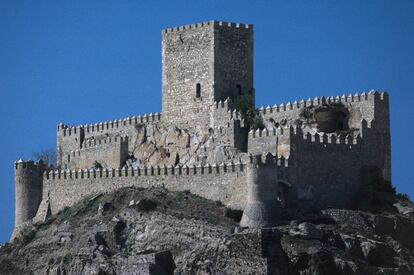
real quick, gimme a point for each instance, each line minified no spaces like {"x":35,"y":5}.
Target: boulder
{"x":307,"y":231}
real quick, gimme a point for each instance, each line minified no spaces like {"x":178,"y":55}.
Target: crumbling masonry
{"x":210,"y":139}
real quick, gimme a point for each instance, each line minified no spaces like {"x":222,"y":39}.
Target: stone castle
{"x":211,"y":140}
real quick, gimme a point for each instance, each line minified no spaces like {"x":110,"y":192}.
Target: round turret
{"x":262,"y":208}
{"x":28,"y":177}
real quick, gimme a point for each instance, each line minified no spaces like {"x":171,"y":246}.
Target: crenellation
{"x":106,"y":125}
{"x":358,"y":97}
{"x":179,"y":170}
{"x":204,"y":24}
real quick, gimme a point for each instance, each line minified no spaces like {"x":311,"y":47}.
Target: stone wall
{"x":71,"y":138}
{"x":68,"y":139}
{"x":225,"y":183}
{"x":226,"y":118}
{"x":327,"y":167}
{"x":111,"y":152}
{"x":323,"y":168}
{"x":326,"y":171}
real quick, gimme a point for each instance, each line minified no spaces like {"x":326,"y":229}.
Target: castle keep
{"x":211,"y":140}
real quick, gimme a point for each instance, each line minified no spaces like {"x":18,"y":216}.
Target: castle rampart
{"x":222,"y":182}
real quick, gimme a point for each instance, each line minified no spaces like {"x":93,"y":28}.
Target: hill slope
{"x":154,"y":231}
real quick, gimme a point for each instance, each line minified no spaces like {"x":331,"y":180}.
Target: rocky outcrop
{"x":155,"y":231}
{"x":155,"y":144}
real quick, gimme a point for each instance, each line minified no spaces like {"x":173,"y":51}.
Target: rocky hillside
{"x":155,"y":231}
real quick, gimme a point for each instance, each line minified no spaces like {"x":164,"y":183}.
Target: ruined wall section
{"x":224,"y":182}
{"x":366,"y":106}
{"x":111,"y":152}
{"x":370,"y":108}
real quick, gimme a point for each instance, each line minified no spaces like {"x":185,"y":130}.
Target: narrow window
{"x":198,"y":90}
{"x":239,"y":90}
{"x":68,"y":158}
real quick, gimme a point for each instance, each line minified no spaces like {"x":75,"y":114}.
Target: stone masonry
{"x":211,"y":140}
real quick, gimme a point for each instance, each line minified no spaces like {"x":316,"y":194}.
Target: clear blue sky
{"x":89,"y":61}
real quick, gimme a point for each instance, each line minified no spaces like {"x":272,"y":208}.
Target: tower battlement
{"x":207,"y":23}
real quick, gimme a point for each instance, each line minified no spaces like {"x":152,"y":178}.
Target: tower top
{"x":208,"y":23}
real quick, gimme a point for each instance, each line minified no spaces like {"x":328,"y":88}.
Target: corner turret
{"x":28,"y":178}
{"x":263,"y":207}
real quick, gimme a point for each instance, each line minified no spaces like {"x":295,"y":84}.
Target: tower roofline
{"x":207,"y":23}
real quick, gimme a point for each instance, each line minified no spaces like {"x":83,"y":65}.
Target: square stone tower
{"x":201,"y":64}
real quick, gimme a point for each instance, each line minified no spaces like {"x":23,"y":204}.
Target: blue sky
{"x":89,"y":61}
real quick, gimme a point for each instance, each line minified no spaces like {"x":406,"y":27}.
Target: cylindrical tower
{"x":262,"y":208}
{"x":28,"y":178}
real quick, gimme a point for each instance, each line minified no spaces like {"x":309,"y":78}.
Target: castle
{"x":211,"y":140}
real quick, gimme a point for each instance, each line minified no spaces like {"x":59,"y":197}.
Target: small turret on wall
{"x":28,"y":178}
{"x":263,"y":206}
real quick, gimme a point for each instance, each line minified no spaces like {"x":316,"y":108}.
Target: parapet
{"x":145,"y":171}
{"x":370,"y":96}
{"x":224,"y":111}
{"x":267,"y":160}
{"x":113,"y":124}
{"x":276,"y":131}
{"x":208,"y":23}
{"x":106,"y":141}
{"x":311,"y":137}
{"x":29,"y":165}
